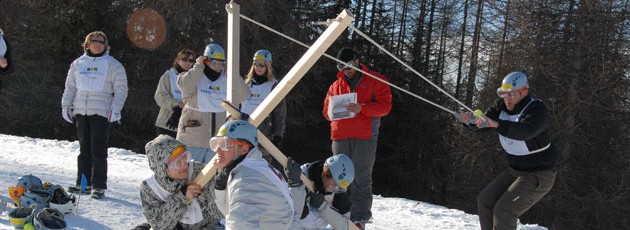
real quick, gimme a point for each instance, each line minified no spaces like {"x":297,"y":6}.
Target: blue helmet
{"x":214,"y":51}
{"x":342,"y":169}
{"x":262,"y":55}
{"x":239,"y":129}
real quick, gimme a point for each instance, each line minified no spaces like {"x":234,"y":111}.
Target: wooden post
{"x":233,"y":47}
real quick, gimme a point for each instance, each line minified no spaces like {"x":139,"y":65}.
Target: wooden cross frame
{"x":283,"y":88}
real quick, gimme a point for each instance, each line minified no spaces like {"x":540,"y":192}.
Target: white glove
{"x":67,"y":115}
{"x":114,"y":116}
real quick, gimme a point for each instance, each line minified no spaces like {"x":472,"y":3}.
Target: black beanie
{"x":347,"y":54}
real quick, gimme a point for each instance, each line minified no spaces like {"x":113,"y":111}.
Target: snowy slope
{"x":55,"y":161}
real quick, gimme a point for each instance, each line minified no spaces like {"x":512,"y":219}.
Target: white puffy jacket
{"x":98,"y":99}
{"x":257,"y":198}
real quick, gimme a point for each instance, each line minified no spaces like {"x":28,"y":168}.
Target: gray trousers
{"x":510,"y":195}
{"x":363,"y":153}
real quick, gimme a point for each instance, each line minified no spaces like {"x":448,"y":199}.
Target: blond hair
{"x":252,"y":71}
{"x":89,"y":37}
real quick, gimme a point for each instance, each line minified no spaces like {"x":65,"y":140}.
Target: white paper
{"x":338,"y":106}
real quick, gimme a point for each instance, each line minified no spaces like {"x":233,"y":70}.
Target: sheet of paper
{"x":337,"y":106}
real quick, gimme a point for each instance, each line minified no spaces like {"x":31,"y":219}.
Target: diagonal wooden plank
{"x":305,"y":63}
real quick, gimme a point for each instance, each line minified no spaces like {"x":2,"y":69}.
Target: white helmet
{"x":30,"y":182}
{"x":35,"y":199}
{"x":19,"y":216}
{"x":342,"y":170}
{"x":49,"y":218}
{"x":61,"y":200}
{"x":214,"y":51}
{"x":513,"y":81}
{"x":262,"y":55}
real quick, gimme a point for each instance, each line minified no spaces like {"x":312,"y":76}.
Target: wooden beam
{"x":233,"y":47}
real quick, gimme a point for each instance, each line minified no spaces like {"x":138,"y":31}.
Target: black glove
{"x":293,"y":172}
{"x":277,"y":140}
{"x":173,"y":121}
{"x":316,"y":200}
{"x":220,"y":180}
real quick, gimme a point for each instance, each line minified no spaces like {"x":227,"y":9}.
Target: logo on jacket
{"x":92,"y":69}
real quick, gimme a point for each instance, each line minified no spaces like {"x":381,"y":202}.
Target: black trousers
{"x":93,"y":133}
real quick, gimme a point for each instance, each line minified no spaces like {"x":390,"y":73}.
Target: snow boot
{"x":98,"y":193}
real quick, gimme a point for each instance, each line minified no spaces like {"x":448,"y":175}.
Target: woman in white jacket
{"x":95,"y":92}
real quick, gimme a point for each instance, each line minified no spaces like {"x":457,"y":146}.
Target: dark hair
{"x":347,"y":54}
{"x":183,"y":54}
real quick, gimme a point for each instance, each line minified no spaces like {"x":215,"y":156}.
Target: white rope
{"x":360,"y":70}
{"x":409,"y":67}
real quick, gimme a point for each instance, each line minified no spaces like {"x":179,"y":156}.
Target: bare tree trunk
{"x":427,"y":52}
{"x":460,"y":55}
{"x":472,"y":73}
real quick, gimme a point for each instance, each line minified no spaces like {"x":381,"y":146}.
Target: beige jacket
{"x":164,"y":98}
{"x":207,"y":123}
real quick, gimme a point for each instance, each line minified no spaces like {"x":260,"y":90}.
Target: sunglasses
{"x":225,"y":143}
{"x":179,"y":158}
{"x":345,"y":66}
{"x":260,"y":65}
{"x":187,"y":60}
{"x":215,"y":62}
{"x":96,"y":41}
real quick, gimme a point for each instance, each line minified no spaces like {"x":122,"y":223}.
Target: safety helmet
{"x":35,"y":199}
{"x":61,"y":200}
{"x":214,"y":51}
{"x":30,"y":182}
{"x":15,"y":192}
{"x":262,"y":55}
{"x":239,"y":129}
{"x":49,"y":218}
{"x":19,"y":216}
{"x":342,"y":170}
{"x":513,"y":81}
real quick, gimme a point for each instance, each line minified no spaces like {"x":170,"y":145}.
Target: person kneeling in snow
{"x":170,"y":200}
{"x":331,"y":179}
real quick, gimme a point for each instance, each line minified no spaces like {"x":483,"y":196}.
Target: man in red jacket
{"x":356,"y":136}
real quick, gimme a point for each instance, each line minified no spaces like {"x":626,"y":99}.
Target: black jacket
{"x":532,"y":128}
{"x":341,"y":201}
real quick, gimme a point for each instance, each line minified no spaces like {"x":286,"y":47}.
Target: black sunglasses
{"x":96,"y":41}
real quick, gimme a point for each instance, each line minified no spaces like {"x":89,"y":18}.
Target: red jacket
{"x":375,"y":99}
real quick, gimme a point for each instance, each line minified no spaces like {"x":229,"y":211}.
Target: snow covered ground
{"x":55,"y":161}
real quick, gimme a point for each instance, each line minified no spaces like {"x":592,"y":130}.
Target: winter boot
{"x":98,"y":193}
{"x":77,"y":189}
